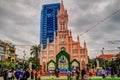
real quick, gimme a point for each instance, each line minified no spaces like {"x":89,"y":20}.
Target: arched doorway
{"x":51,"y":66}
{"x":75,"y":64}
{"x":63,"y":61}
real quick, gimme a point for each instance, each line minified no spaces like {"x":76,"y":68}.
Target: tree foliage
{"x":35,"y":62}
{"x":108,"y":63}
{"x":35,"y":50}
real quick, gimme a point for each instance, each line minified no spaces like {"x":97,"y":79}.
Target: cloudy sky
{"x":20,"y":23}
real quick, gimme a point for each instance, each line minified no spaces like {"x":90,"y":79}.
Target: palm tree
{"x":35,"y":49}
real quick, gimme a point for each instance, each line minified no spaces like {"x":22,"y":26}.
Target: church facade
{"x":63,"y":53}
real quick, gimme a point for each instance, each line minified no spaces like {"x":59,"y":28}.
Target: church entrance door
{"x":63,"y":61}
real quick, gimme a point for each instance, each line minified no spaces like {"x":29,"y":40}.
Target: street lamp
{"x":24,"y":58}
{"x":103,"y":56}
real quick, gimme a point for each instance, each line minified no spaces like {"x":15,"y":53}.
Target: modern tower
{"x":48,"y":23}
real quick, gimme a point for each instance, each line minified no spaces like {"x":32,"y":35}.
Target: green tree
{"x":92,"y":62}
{"x":2,"y":63}
{"x":101,"y":62}
{"x":11,"y":65}
{"x":35,"y":50}
{"x":34,"y":61}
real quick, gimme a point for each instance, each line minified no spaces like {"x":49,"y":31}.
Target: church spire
{"x":62,"y":7}
{"x":85,"y":44}
{"x":78,"y":38}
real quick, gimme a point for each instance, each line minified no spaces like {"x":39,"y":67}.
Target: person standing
{"x":27,"y":73}
{"x":78,"y":74}
{"x":32,"y":75}
{"x":56,"y":71}
{"x":5,"y":74}
{"x":112,"y":72}
{"x":23,"y":76}
{"x":17,"y":74}
{"x":10,"y":75}
{"x":103,"y":73}
{"x":35,"y":73}
{"x":83,"y":72}
{"x":69,"y":75}
{"x":39,"y":73}
{"x":118,"y":71}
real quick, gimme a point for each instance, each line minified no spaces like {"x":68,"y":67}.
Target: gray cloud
{"x":20,"y":21}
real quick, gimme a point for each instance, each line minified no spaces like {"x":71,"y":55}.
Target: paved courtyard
{"x":1,"y":78}
{"x":65,"y":78}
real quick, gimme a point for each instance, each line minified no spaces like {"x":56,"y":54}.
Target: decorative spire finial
{"x":61,"y":6}
{"x":78,"y":38}
{"x":84,"y":44}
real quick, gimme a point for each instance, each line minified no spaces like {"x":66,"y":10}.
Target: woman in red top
{"x":90,"y":73}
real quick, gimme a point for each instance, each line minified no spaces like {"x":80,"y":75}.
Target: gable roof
{"x":106,"y":56}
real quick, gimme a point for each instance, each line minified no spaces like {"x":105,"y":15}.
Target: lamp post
{"x":24,"y":58}
{"x":14,"y":61}
{"x":103,"y":56}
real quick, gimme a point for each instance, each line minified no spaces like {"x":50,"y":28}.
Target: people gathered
{"x":84,"y":74}
{"x":25,"y":74}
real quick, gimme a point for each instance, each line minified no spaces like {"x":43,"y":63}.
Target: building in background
{"x":7,"y":51}
{"x":109,"y":57}
{"x":63,"y":53}
{"x":48,"y":22}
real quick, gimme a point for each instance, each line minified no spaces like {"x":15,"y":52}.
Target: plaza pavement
{"x":59,"y":78}
{"x":65,"y":78}
{"x":1,"y":78}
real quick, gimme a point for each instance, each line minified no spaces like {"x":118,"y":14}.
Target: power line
{"x":24,"y":44}
{"x":106,"y":50}
{"x":115,"y":42}
{"x":104,"y":19}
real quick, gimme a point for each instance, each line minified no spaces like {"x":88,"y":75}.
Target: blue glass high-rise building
{"x":48,"y":22}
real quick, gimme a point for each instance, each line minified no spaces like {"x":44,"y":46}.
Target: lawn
{"x":79,"y":79}
{"x":87,"y":79}
{"x":64,"y":78}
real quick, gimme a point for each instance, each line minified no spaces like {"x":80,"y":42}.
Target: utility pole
{"x":24,"y":58}
{"x":103,"y":56}
{"x":15,"y":61}
{"x":119,"y":49}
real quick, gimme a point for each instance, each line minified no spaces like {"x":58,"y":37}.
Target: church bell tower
{"x":62,"y":17}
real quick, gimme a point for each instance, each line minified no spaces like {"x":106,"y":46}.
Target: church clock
{"x":62,"y":40}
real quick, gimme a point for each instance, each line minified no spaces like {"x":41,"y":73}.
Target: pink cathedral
{"x":63,"y":53}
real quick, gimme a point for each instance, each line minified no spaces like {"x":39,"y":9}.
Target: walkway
{"x":1,"y":78}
